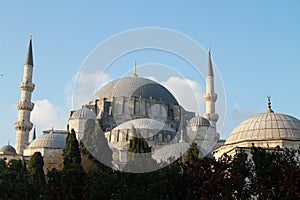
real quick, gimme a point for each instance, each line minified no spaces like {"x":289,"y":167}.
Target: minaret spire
{"x":134,"y":71}
{"x":210,"y":96}
{"x":210,"y":71}
{"x":33,"y":135}
{"x":25,"y":106}
{"x":29,"y":59}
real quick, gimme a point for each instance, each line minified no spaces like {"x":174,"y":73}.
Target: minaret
{"x":210,"y":96}
{"x":25,"y":106}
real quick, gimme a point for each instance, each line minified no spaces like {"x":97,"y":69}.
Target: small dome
{"x":8,"y":149}
{"x":84,"y":113}
{"x":51,"y":140}
{"x":198,"y":121}
{"x":144,"y":123}
{"x":135,"y":87}
{"x":266,"y":126}
{"x":171,"y":151}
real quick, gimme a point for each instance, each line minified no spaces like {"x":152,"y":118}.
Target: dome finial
{"x":134,"y":71}
{"x":269,"y":110}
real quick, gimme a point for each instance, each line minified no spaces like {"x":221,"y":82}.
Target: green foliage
{"x":191,"y":154}
{"x":269,"y":174}
{"x":14,"y":183}
{"x":36,"y":175}
{"x":54,"y":186}
{"x":72,"y":177}
{"x":71,"y":156}
{"x":275,"y":174}
{"x":139,"y":157}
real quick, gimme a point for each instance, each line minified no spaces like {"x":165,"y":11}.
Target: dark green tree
{"x":72,"y":178}
{"x":139,"y":157}
{"x":36,"y":175}
{"x":54,"y":187}
{"x":191,"y":154}
{"x":14,"y":182}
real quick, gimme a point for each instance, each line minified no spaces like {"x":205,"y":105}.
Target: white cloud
{"x":83,"y":86}
{"x":188,"y":93}
{"x":45,"y":115}
{"x":240,"y":113}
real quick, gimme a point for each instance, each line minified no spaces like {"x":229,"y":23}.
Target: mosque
{"x":152,"y":110}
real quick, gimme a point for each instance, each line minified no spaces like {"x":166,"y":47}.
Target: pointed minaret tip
{"x":34,"y":134}
{"x":209,"y":65}
{"x":134,"y":71}
{"x":29,"y":58}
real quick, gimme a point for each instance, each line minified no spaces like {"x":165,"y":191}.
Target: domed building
{"x":267,"y":130}
{"x":147,"y":106}
{"x":8,"y":152}
{"x":77,"y":120}
{"x":120,"y":106}
{"x":171,"y":152}
{"x":51,"y":145}
{"x":200,"y":131}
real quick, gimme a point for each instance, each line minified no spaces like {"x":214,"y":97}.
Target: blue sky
{"x":255,"y":45}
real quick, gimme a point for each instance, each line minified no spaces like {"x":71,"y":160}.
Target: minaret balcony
{"x":23,"y":125}
{"x":27,"y":86}
{"x":210,"y":97}
{"x":25,"y":105}
{"x":212,"y":116}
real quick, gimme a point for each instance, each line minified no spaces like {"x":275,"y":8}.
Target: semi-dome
{"x":135,"y":87}
{"x":266,"y":126}
{"x":144,"y":123}
{"x":84,"y":113}
{"x":50,"y":140}
{"x":171,"y":151}
{"x":8,"y":149}
{"x":198,"y":121}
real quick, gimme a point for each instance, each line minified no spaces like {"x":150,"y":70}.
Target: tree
{"x":139,"y":157}
{"x":13,"y":180}
{"x":191,"y":154}
{"x":72,"y":171}
{"x":36,"y":175}
{"x":54,"y":186}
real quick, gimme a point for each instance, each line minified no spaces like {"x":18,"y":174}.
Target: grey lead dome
{"x":266,"y":126}
{"x":144,"y":123}
{"x":49,"y":140}
{"x":198,"y":121}
{"x":84,"y":113}
{"x":135,"y":87}
{"x":8,"y":149}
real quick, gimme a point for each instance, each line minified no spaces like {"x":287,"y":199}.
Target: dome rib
{"x":266,"y":126}
{"x":49,"y":140}
{"x":8,"y":149}
{"x":135,"y":87}
{"x":144,"y":123}
{"x":84,"y":113}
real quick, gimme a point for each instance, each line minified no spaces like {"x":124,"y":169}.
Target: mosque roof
{"x":171,"y":151}
{"x":50,"y":140}
{"x":135,"y":87}
{"x":84,"y":113}
{"x":198,"y":121}
{"x":266,"y":126}
{"x":144,"y":123}
{"x":8,"y":149}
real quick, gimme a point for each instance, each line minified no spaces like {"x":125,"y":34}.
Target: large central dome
{"x":135,"y":87}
